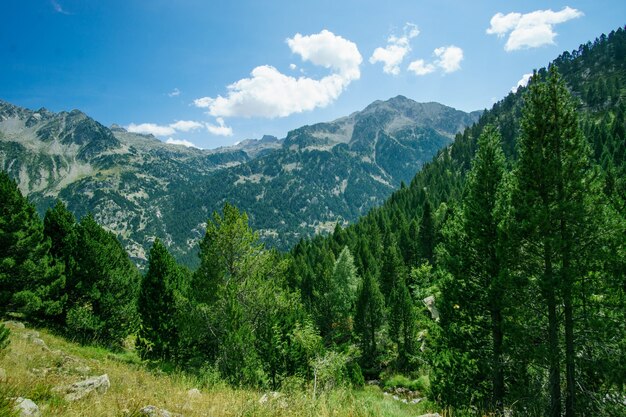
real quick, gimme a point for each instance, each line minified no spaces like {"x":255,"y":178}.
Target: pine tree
{"x":484,"y":265}
{"x":30,"y":281}
{"x":157,"y":304}
{"x":368,"y":320}
{"x":341,"y":296}
{"x":106,"y":287}
{"x":392,"y":269}
{"x":552,"y":184}
{"x":402,"y":323}
{"x":426,"y":234}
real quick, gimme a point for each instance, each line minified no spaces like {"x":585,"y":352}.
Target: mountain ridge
{"x":141,"y":188}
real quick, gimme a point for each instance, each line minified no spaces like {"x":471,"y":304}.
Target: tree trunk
{"x":498,"y":374}
{"x":553,"y":335}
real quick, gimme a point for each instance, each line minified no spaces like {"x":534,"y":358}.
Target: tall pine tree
{"x":158,"y":304}
{"x":550,"y":203}
{"x":30,"y":281}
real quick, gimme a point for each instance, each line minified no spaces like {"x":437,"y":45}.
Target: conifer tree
{"x":402,"y":323}
{"x":552,"y":185}
{"x":368,"y":320}
{"x":158,"y":304}
{"x":392,"y":269}
{"x":426,"y":234}
{"x":106,"y":287}
{"x":30,"y":281}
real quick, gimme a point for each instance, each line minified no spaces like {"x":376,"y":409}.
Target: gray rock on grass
{"x":78,"y":390}
{"x":26,"y":408}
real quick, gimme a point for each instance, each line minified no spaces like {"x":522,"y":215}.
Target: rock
{"x":430,"y":305}
{"x":14,"y":324}
{"x":3,"y":375}
{"x":41,"y":343}
{"x":416,"y":400}
{"x":152,"y":411}
{"x":26,"y":408}
{"x":194,"y":392}
{"x":31,"y":334}
{"x":99,"y":384}
{"x":431,"y":415}
{"x":83,"y":370}
{"x":271,"y":396}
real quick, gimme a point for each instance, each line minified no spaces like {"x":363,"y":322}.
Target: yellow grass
{"x":33,"y":371}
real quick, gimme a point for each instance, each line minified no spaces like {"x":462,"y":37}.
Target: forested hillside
{"x":541,"y":208}
{"x":139,"y":187}
{"x":494,"y":284}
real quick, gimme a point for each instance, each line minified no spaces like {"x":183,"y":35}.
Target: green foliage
{"x":105,"y":286}
{"x":30,"y":281}
{"x":4,"y":337}
{"x":420,"y":384}
{"x":340,"y":297}
{"x":471,"y":339}
{"x":241,"y":315}
{"x":368,"y":321}
{"x":159,"y":294}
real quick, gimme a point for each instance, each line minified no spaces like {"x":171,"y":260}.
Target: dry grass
{"x":33,"y":371}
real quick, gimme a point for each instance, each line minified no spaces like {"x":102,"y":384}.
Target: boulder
{"x":193,"y":393}
{"x":431,"y":415}
{"x":430,"y":305}
{"x":76,"y":391}
{"x":26,"y":408}
{"x":152,"y":411}
{"x":14,"y":324}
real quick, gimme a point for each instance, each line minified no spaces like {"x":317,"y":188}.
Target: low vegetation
{"x":33,"y":372}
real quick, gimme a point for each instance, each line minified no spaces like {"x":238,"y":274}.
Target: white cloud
{"x":186,"y":125}
{"x":151,"y":129}
{"x":174,"y":93}
{"x":292,"y":67}
{"x":450,"y":58}
{"x":530,"y":30}
{"x":523,"y":82}
{"x":269,"y":93}
{"x":161,"y":130}
{"x":396,"y":50}
{"x":419,"y":67}
{"x":182,"y":142}
{"x":221,"y":129}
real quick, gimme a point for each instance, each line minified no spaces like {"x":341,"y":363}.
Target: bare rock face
{"x":152,"y":411}
{"x":76,"y":391}
{"x":430,"y":305}
{"x":26,"y":408}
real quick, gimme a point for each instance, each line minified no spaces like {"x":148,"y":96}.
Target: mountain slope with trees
{"x":516,"y":230}
{"x":139,"y":187}
{"x":494,"y":284}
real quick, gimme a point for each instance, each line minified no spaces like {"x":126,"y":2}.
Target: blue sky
{"x":216,"y":72}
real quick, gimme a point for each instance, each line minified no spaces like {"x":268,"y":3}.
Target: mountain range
{"x":141,"y":188}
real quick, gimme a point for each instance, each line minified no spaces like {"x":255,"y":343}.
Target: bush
{"x":421,"y":384}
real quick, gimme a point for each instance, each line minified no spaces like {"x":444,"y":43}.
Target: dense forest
{"x":494,"y":283}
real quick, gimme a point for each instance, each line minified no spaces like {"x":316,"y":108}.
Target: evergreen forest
{"x":494,"y":283}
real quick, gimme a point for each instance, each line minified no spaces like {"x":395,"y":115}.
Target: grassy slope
{"x":33,"y":371}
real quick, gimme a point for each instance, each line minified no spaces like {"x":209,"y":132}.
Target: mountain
{"x":142,"y":188}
